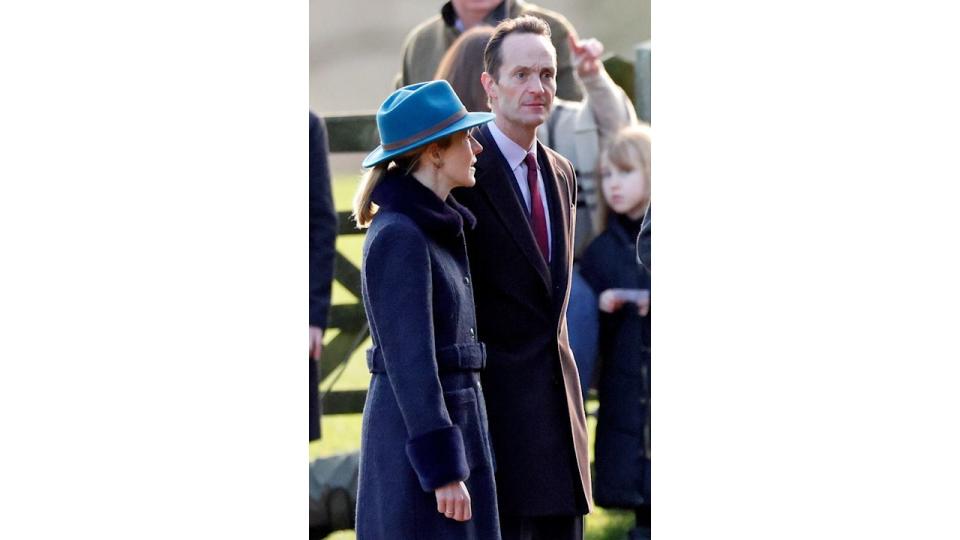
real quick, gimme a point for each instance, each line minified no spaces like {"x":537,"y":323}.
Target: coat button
{"x":466,"y":279}
{"x":473,"y":333}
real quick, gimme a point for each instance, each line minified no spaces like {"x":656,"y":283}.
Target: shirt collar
{"x":512,"y":152}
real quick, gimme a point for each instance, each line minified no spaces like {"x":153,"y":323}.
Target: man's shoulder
{"x":491,"y":155}
{"x":428,"y":29}
{"x":557,"y":159}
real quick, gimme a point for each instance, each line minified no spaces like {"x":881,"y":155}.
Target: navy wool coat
{"x":537,"y":422}
{"x":424,"y":421}
{"x":621,"y":451}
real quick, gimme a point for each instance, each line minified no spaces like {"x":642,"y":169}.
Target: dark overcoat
{"x":537,"y":422}
{"x":424,"y":421}
{"x":323,"y":236}
{"x":621,"y":451}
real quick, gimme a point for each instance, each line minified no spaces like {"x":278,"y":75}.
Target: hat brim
{"x":379,"y":155}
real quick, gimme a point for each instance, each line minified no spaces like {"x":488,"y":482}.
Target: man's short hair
{"x":525,"y":24}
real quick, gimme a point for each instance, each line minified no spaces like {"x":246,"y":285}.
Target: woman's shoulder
{"x":394,"y":228}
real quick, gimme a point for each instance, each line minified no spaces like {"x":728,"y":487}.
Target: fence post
{"x":642,"y":68}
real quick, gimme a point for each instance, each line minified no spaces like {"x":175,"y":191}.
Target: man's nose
{"x":537,"y":85}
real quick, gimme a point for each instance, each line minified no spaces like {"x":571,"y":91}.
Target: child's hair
{"x":629,"y":150}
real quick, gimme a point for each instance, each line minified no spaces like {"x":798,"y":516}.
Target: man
{"x":520,"y":261}
{"x":323,"y":235}
{"x":426,"y":43}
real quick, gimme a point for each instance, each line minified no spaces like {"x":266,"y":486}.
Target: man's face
{"x":462,"y":7}
{"x":523,"y":91}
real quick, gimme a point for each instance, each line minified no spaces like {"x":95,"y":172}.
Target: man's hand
{"x":586,"y":55}
{"x":316,"y":342}
{"x":453,"y":501}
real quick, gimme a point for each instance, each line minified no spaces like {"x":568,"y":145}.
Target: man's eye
{"x":521,"y":75}
{"x":548,"y":75}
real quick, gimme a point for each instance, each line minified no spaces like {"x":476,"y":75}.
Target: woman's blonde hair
{"x":629,"y":150}
{"x":363,"y":206}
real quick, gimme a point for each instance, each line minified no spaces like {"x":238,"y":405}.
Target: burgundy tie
{"x":537,"y":218}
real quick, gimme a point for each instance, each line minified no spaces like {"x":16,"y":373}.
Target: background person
{"x":425,"y":45}
{"x":609,"y":265}
{"x":426,"y":468}
{"x":323,"y":236}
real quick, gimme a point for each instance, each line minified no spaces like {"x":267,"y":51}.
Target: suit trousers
{"x":541,"y":528}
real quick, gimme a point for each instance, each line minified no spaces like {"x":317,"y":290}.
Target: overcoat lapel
{"x":495,"y":180}
{"x":558,"y":199}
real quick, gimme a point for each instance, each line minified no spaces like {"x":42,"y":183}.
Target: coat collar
{"x":497,"y":182}
{"x":615,"y":224}
{"x":404,"y":194}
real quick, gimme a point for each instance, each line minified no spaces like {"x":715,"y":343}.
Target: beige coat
{"x":579,"y":130}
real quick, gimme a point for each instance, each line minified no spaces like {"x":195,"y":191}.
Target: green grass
{"x":341,"y":433}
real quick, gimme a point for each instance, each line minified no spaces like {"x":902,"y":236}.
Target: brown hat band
{"x":427,"y":132}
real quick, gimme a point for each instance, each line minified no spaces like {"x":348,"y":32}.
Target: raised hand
{"x":586,"y":55}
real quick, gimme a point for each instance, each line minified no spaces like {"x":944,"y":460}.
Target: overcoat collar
{"x":404,"y":194}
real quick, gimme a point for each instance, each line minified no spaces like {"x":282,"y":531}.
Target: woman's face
{"x":626,"y":191}
{"x":458,"y":160}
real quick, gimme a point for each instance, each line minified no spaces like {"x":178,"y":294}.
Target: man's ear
{"x":489,"y":86}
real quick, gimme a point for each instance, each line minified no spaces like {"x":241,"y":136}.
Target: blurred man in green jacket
{"x":426,"y":43}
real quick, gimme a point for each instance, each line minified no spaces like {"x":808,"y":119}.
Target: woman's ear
{"x":432,"y":153}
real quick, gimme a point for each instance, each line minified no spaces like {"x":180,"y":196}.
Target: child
{"x":609,"y":265}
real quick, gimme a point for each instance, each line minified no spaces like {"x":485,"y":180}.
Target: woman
{"x":426,"y":466}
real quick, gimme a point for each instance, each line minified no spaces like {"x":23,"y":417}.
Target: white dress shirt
{"x":515,"y":156}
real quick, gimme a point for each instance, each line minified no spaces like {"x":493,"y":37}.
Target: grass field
{"x":341,"y":433}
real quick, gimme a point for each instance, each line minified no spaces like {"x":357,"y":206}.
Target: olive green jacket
{"x":427,"y":42}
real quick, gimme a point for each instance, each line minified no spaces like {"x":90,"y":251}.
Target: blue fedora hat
{"x":418,"y":114}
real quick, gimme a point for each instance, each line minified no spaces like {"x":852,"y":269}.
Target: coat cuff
{"x":438,"y":457}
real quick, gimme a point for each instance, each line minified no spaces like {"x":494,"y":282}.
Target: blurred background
{"x":355,"y":46}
